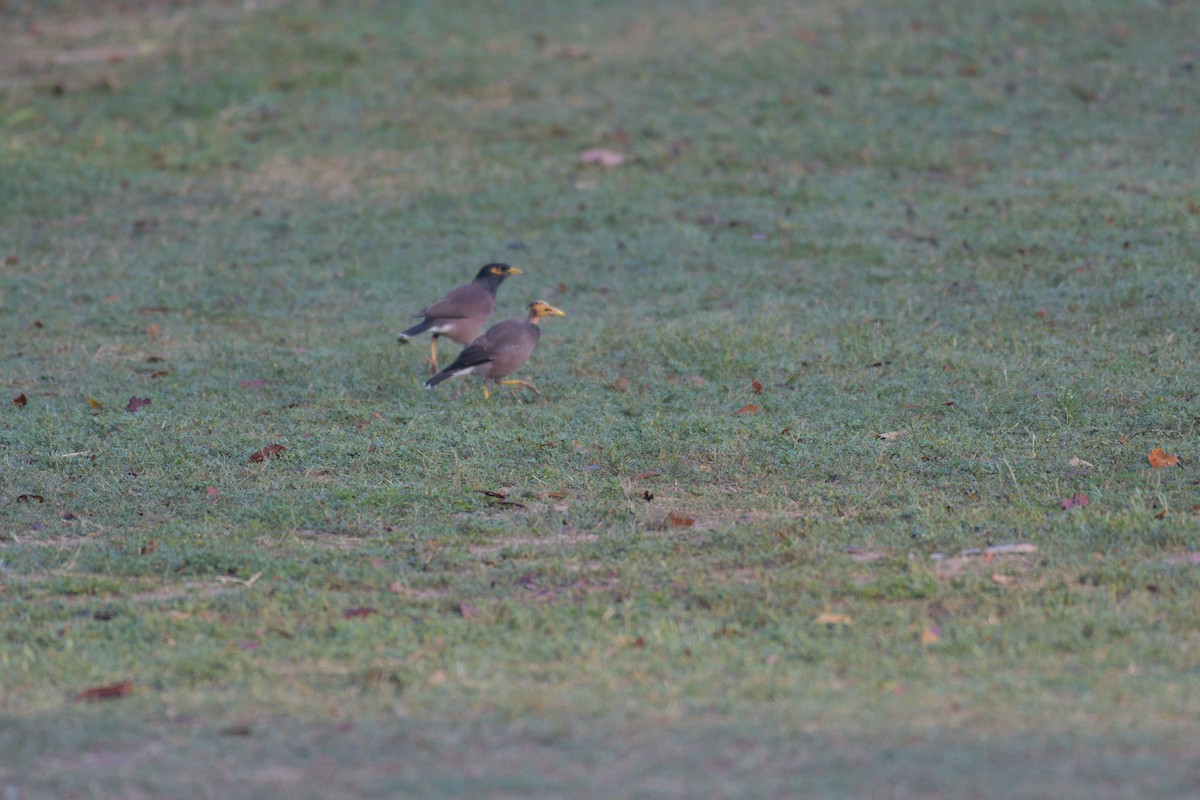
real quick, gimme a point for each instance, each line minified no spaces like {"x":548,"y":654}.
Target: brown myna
{"x":500,"y":351}
{"x":462,"y":313}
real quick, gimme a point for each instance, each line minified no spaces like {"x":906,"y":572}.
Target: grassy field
{"x":840,"y":481}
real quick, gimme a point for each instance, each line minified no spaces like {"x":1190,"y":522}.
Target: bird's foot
{"x":526,"y":384}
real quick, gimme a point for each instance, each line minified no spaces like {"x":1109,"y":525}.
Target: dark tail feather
{"x":415,"y":330}
{"x":436,"y":379}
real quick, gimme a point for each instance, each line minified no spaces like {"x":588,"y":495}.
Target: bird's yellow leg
{"x":526,"y":384}
{"x":485,"y":392}
{"x":433,"y":365}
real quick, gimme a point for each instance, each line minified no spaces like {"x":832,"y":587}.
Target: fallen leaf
{"x":892,"y":436}
{"x":148,"y":548}
{"x":94,"y":403}
{"x":137,"y":403}
{"x":749,"y":408}
{"x":20,"y":401}
{"x":110,"y":692}
{"x":497,"y":495}
{"x":267,"y":452}
{"x":213,"y":493}
{"x":1161,"y":515}
{"x":152,"y":330}
{"x":680,"y":520}
{"x":25,"y":498}
{"x":1076,"y":461}
{"x":828,"y":618}
{"x":1003,"y":580}
{"x":437,"y":677}
{"x":159,"y":373}
{"x":252,"y":383}
{"x":603,"y":157}
{"x":756,"y":386}
{"x":359,"y":613}
{"x":556,"y":495}
{"x":647,"y":495}
{"x":112,"y":298}
{"x":621,"y":384}
{"x":1159,"y":459}
{"x":467,"y":611}
{"x":1078,"y":501}
{"x":930,"y":636}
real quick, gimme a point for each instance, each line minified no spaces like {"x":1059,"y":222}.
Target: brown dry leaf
{"x":749,"y":408}
{"x":137,"y":403}
{"x":1161,"y":515}
{"x":213,"y":493}
{"x":151,"y":330}
{"x":556,"y":495}
{"x":756,"y":386}
{"x":930,"y":636}
{"x":109,"y":692}
{"x":148,"y":548}
{"x":94,"y":403}
{"x":20,"y":401}
{"x":603,"y":157}
{"x":1004,"y":580}
{"x":25,"y":498}
{"x":829,"y":618}
{"x":1076,"y":461}
{"x":892,"y":436}
{"x":267,"y":452}
{"x":359,"y":613}
{"x":1080,"y":500}
{"x":621,"y":384}
{"x":680,"y":520}
{"x":159,"y":373}
{"x":489,"y":493}
{"x":437,"y":677}
{"x":467,"y":611}
{"x":1159,"y":459}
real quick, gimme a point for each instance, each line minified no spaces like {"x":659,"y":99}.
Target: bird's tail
{"x":415,"y":330}
{"x":436,"y":379}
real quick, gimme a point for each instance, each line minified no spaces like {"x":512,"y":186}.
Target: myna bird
{"x":462,"y":313}
{"x":500,"y":351}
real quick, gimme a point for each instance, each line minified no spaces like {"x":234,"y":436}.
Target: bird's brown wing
{"x":508,"y":344}
{"x":471,"y":300}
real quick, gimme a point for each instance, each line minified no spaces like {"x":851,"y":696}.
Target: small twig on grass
{"x":247,"y":582}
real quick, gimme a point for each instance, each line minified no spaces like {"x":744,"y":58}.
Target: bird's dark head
{"x":540,"y":309}
{"x":496,"y":272}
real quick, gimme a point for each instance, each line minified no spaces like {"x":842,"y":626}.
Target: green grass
{"x":972,"y":224}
